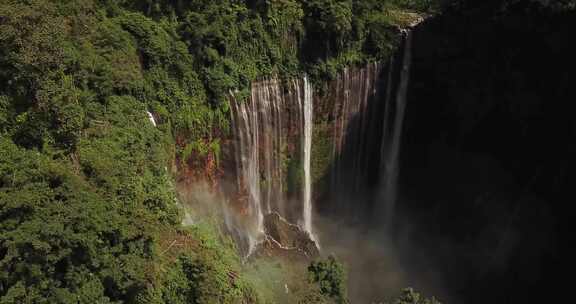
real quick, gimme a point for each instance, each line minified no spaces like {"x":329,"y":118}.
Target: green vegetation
{"x":322,"y":154}
{"x":409,"y":296}
{"x":331,"y":278}
{"x":284,"y":281}
{"x":61,"y":240}
{"x":205,"y":270}
{"x":279,"y":281}
{"x":87,"y":206}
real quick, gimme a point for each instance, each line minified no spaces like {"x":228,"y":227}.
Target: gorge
{"x":286,"y":151}
{"x":359,"y":119}
{"x":358,"y":127}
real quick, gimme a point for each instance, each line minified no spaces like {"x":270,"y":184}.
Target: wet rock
{"x":286,"y":240}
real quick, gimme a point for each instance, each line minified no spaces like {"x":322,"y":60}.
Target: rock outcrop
{"x":286,"y":240}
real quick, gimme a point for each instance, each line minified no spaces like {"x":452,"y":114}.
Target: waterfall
{"x":245,"y":122}
{"x":265,"y":128}
{"x":392,"y":134}
{"x":361,"y":115}
{"x":151,"y":117}
{"x":353,"y":114}
{"x":307,"y":145}
{"x":366,"y":108}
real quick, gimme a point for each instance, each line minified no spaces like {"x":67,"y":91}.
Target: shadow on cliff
{"x":352,"y":222}
{"x":482,"y":206}
{"x":487,"y":147}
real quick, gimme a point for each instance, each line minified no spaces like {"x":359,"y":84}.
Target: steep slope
{"x":109,"y":109}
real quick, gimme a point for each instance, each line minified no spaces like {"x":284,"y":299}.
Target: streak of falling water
{"x":355,"y":125}
{"x":307,"y":146}
{"x":253,"y":171}
{"x":151,"y":117}
{"x":246,"y":131}
{"x":392,"y":150}
{"x":263,"y":126}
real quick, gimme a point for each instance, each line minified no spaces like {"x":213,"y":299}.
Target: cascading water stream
{"x":151,"y":118}
{"x":391,"y":150}
{"x":246,"y":129}
{"x":366,"y":112}
{"x":307,"y":145}
{"x":362,"y":116}
{"x":262,"y":127}
{"x":354,"y":127}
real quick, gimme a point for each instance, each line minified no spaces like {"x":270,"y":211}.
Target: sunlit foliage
{"x":86,"y":193}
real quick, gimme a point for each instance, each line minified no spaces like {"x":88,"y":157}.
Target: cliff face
{"x":102,"y":101}
{"x":480,"y":161}
{"x":294,"y":147}
{"x":487,"y":144}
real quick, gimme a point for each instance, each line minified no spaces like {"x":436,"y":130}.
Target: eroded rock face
{"x":286,"y":240}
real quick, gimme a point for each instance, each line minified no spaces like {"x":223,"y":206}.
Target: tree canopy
{"x":86,"y":196}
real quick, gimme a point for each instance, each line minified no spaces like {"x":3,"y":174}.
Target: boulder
{"x":286,"y":240}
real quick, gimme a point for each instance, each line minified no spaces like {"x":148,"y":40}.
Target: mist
{"x":481,"y":168}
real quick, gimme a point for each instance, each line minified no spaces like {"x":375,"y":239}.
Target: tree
{"x":330,"y":276}
{"x":409,"y":296}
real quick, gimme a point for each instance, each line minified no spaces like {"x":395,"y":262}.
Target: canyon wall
{"x":299,"y":151}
